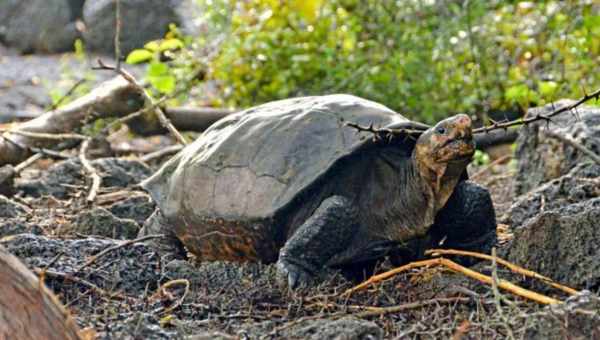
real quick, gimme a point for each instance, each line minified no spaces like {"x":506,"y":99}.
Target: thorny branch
{"x":387,"y":133}
{"x":539,"y":116}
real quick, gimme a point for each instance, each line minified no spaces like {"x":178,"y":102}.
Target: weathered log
{"x":113,"y":97}
{"x":183,"y":118}
{"x":29,"y":310}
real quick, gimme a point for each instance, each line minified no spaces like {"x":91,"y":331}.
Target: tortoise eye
{"x":440,"y":130}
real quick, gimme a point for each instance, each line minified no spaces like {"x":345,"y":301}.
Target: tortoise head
{"x":450,"y":140}
{"x":445,"y":150}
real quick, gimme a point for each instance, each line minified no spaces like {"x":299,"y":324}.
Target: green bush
{"x":426,"y":59}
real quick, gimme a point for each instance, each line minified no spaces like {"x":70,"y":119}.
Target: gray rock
{"x":580,"y":184}
{"x":39,"y":25}
{"x":542,"y":158}
{"x":576,"y":319}
{"x":562,"y":244}
{"x":142,"y":21}
{"x":101,"y":222}
{"x":137,"y":207}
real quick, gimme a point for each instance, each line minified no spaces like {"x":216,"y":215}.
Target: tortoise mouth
{"x":456,"y":150}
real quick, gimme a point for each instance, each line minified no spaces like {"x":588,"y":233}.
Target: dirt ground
{"x":133,"y":292}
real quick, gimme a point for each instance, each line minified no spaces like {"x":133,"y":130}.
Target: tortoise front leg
{"x":326,"y":233}
{"x":467,"y":221}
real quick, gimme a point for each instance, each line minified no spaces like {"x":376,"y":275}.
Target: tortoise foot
{"x":294,"y":275}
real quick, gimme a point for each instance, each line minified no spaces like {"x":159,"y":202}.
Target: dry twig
{"x":168,"y":284}
{"x":511,"y":266}
{"x":92,"y":173}
{"x":93,"y":287}
{"x":157,"y":110}
{"x":116,"y":247}
{"x":41,"y":135}
{"x":411,"y":305}
{"x":440,"y":261}
{"x":169,"y":150}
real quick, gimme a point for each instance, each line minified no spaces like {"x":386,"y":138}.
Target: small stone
{"x":101,"y":222}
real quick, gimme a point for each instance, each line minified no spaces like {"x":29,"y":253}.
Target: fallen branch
{"x":111,"y":98}
{"x":490,"y":166}
{"x":539,"y":116}
{"x":440,"y":261}
{"x":511,"y":266}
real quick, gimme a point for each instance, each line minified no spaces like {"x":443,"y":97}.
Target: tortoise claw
{"x":294,"y":275}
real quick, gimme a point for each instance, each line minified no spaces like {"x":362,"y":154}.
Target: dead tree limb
{"x":29,"y":310}
{"x":112,"y":98}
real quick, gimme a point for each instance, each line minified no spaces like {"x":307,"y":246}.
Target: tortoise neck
{"x":404,"y":204}
{"x":441,"y":178}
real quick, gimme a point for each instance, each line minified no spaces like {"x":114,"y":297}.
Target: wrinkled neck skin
{"x":440,"y":177}
{"x":405,"y":206}
{"x":415,"y":191}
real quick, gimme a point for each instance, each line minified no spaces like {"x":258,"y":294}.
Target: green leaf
{"x":157,"y":69}
{"x":164,"y":84}
{"x":139,"y":56}
{"x":547,"y":88}
{"x":170,"y":44}
{"x":153,"y":45}
{"x":160,"y":77}
{"x":517,"y":93}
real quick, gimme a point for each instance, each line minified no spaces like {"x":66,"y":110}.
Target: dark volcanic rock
{"x":100,"y":222}
{"x":580,"y":184}
{"x":555,"y":220}
{"x":577,"y":318}
{"x":13,"y":219}
{"x":542,"y":158}
{"x":137,"y":208}
{"x":39,"y":25}
{"x":59,"y":179}
{"x":137,"y":28}
{"x":562,"y":244}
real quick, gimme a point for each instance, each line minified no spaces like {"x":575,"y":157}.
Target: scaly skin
{"x":440,"y":158}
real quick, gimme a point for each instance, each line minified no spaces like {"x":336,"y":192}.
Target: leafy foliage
{"x":426,"y":59}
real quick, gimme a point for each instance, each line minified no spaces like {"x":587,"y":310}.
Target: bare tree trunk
{"x":28,"y":310}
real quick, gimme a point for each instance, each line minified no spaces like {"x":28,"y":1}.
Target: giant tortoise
{"x":289,"y":181}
